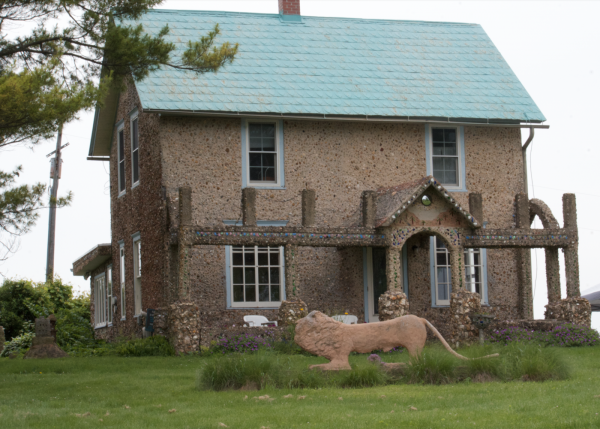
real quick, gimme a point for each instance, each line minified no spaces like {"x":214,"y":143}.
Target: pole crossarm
{"x":522,"y":238}
{"x":280,"y":236}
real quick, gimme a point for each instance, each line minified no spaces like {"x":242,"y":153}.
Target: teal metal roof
{"x":339,"y":66}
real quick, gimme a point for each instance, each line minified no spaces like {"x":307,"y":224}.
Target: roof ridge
{"x":276,"y":15}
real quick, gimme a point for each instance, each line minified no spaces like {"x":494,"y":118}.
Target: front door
{"x":376,"y":280}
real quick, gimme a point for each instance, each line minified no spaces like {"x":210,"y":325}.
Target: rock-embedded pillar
{"x":291,"y":271}
{"x":572,"y":251}
{"x":463,"y":305}
{"x":476,"y":207}
{"x":308,"y":207}
{"x":552,"y":274}
{"x":369,"y":208}
{"x":457,"y":267}
{"x":249,"y":206}
{"x":393,"y":268}
{"x":525,"y":294}
{"x":185,"y":250}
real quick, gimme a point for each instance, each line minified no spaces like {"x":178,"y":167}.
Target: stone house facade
{"x":227,"y":203}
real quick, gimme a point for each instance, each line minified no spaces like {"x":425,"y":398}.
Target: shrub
{"x":243,"y":343}
{"x":363,"y":376}
{"x":21,"y":343}
{"x":14,"y":294}
{"x":233,"y":372}
{"x":151,"y":346}
{"x":534,"y":363}
{"x":566,"y":335}
{"x":433,"y":366}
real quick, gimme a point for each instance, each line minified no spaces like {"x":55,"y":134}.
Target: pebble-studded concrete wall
{"x":141,"y":209}
{"x":339,"y":161}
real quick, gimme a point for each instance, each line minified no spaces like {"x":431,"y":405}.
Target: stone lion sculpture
{"x":324,"y":336}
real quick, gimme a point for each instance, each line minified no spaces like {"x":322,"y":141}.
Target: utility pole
{"x":55,"y":168}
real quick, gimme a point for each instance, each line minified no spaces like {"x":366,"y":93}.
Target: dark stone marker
{"x":149,"y":320}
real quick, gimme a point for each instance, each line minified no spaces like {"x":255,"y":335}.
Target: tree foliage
{"x":74,"y":51}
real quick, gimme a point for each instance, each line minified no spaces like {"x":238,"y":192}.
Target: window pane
{"x":450,"y":149}
{"x":255,"y":173}
{"x":438,"y":148}
{"x":275,"y":293}
{"x":441,"y":258}
{"x":121,"y":146}
{"x":274,"y":258}
{"x":263,"y":293}
{"x":476,"y":258}
{"x":238,"y":259}
{"x":121,"y":176}
{"x":274,"y":276}
{"x":439,"y":244}
{"x":263,"y":275}
{"x":136,"y":169}
{"x":450,"y":135}
{"x":450,"y":164}
{"x":442,"y":292}
{"x":269,"y":174}
{"x":249,"y":258}
{"x":437,"y":134}
{"x":442,"y":275}
{"x":255,"y":143}
{"x":450,"y":178}
{"x":238,"y":293}
{"x":268,"y":130}
{"x":263,"y":259}
{"x":438,"y":164}
{"x":250,"y":293}
{"x":268,"y":159}
{"x":249,"y":276}
{"x":238,"y":275}
{"x":255,"y":159}
{"x":255,"y":130}
{"x":134,"y":134}
{"x":268,"y":144}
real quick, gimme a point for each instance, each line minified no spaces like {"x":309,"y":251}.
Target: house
{"x":333,"y":160}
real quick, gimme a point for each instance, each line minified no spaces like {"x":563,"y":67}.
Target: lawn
{"x":161,"y":392}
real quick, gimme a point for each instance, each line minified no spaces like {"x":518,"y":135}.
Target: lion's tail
{"x":437,"y":334}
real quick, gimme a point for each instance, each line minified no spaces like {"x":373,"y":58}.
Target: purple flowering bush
{"x":243,"y":343}
{"x":565,"y":335}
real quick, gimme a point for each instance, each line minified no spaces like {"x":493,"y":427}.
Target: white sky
{"x":551,"y":46}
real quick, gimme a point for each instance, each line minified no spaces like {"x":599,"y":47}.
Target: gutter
{"x":524,"y":149}
{"x":349,"y":118}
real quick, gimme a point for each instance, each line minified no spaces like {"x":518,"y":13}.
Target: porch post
{"x":571,"y":252}
{"x":291,"y":271}
{"x":457,"y":267}
{"x":185,"y":254}
{"x":525,"y":294}
{"x":552,"y":274}
{"x":393,"y":267}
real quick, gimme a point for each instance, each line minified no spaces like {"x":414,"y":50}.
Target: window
{"x":262,"y":152}
{"x":122,"y":279}
{"x":137,"y":270}
{"x":445,"y":156}
{"x":109,"y":294}
{"x":256,"y":276}
{"x":475,"y":272}
{"x":443,"y":278}
{"x":100,"y":301}
{"x":121,"y":156}
{"x":135,"y":152}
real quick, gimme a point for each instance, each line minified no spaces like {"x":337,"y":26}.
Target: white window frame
{"x":121,"y":146}
{"x":254,"y":304}
{"x":122,"y":280}
{"x":100,"y":301}
{"x":109,"y":296}
{"x":134,"y":118}
{"x":438,"y":300}
{"x":460,"y":153}
{"x":470,"y":285}
{"x":137,"y":274}
{"x":279,"y":155}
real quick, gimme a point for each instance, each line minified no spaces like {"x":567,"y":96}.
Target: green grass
{"x":49,"y":394}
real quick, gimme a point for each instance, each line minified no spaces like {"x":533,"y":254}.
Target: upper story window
{"x":121,"y":159}
{"x":135,"y":151}
{"x":256,"y":275}
{"x":445,"y":156}
{"x":262,"y":152}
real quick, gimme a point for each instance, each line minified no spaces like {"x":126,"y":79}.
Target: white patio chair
{"x":346,"y":318}
{"x":258,"y":321}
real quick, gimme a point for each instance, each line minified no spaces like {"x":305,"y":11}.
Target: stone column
{"x":249,"y":206}
{"x":571,"y":252}
{"x":476,"y":207}
{"x":308,"y":207}
{"x":291,"y":271}
{"x":525,"y":294}
{"x":185,"y":250}
{"x":369,"y":208}
{"x":463,"y":305}
{"x":552,"y":274}
{"x":457,"y":267}
{"x":393,"y":268}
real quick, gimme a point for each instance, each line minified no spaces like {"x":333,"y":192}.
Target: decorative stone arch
{"x":542,"y":211}
{"x":399,"y":237}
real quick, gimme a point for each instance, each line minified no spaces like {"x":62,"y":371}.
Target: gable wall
{"x":339,"y":160}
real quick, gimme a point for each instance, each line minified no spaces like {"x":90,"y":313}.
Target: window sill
{"x":440,"y":306}
{"x":99,"y":327}
{"x":269,"y":187}
{"x":122,"y":194}
{"x":461,"y":189}
{"x":252,"y":308}
{"x":123,"y":319}
{"x":135,"y":185}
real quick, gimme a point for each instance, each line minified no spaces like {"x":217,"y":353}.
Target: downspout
{"x":524,"y":149}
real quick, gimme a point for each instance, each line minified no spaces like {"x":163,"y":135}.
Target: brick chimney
{"x":289,"y":7}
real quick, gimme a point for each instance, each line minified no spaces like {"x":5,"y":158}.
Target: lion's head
{"x":317,"y":332}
